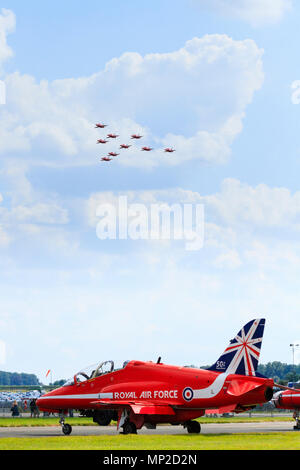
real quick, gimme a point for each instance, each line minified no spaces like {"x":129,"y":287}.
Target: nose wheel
{"x":66,"y":428}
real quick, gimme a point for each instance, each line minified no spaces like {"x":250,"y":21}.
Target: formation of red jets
{"x":110,"y":137}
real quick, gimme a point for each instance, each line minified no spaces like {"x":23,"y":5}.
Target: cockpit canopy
{"x":94,"y":371}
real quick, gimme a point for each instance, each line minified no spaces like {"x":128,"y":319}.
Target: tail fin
{"x":242,"y":354}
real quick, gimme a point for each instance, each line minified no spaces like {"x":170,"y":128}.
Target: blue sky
{"x":216,"y":84}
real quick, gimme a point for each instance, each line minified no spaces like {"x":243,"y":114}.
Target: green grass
{"x":39,"y":422}
{"x":245,"y":419}
{"x":274,"y":441}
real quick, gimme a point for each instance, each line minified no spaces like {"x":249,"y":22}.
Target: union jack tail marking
{"x":242,"y":354}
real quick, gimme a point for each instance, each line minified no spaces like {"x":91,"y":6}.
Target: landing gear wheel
{"x":67,"y":429}
{"x":129,"y":428}
{"x":193,"y":427}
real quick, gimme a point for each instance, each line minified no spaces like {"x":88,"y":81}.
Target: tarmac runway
{"x":227,"y":428}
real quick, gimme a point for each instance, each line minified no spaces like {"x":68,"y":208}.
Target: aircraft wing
{"x":139,"y":408}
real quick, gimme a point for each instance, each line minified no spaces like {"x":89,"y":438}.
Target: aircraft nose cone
{"x":39,"y":403}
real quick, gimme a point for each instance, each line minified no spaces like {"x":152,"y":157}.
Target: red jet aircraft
{"x":146,"y":149}
{"x":136,"y":136}
{"x":112,"y":136}
{"x":106,"y":159}
{"x":100,"y":126}
{"x":289,"y":399}
{"x":170,"y":150}
{"x":102,"y":141}
{"x":113,"y":154}
{"x":147,"y":393}
{"x":123,"y":146}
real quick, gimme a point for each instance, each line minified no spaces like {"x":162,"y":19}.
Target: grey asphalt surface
{"x":227,"y":428}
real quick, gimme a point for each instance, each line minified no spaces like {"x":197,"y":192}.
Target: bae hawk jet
{"x":141,"y":393}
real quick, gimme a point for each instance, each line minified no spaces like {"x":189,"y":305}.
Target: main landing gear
{"x":129,"y":423}
{"x":193,"y":427}
{"x":129,"y":428}
{"x":66,"y":428}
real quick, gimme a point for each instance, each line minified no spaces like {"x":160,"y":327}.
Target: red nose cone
{"x":44,"y":403}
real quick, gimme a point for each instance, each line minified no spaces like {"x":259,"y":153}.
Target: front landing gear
{"x":193,"y":427}
{"x":297,"y":419}
{"x":66,"y":428}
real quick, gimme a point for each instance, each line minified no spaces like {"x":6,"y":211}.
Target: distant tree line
{"x":16,"y":379}
{"x":58,"y":383}
{"x":280,"y":371}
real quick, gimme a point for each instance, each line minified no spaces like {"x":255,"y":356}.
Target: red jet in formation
{"x":100,"y":126}
{"x":113,"y":154}
{"x":123,"y":146}
{"x":168,"y":150}
{"x":112,"y":136}
{"x":146,"y":149}
{"x":136,"y":136}
{"x":102,"y":141}
{"x":147,"y":393}
{"x":106,"y":159}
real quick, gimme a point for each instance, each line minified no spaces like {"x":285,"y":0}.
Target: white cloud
{"x":7,"y":25}
{"x":255,"y":12}
{"x":239,"y":203}
{"x":273,"y":255}
{"x":42,"y":213}
{"x":236,"y":205}
{"x":230,"y":259}
{"x":194,"y":99}
{"x":244,"y":225}
{"x":254,"y":228}
{"x":19,"y":188}
{"x":295,"y":86}
{"x":29,"y":215}
{"x":4,"y":238}
{"x":233,"y":219}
